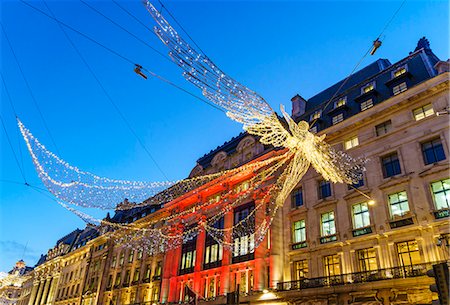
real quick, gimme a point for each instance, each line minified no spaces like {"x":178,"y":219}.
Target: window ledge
{"x":394,"y":180}
{"x":434,"y":168}
{"x":326,"y":201}
{"x":362,"y":231}
{"x":299,"y":245}
{"x":328,"y":239}
{"x":401,"y":221}
{"x":442,"y":213}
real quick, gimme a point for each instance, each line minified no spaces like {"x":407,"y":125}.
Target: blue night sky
{"x":278,"y":49}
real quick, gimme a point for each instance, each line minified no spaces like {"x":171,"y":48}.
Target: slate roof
{"x":420,"y":65}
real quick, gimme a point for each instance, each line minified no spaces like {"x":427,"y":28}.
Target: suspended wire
{"x":359,"y":62}
{"x":124,"y":29}
{"x":127,"y":123}
{"x":181,"y":27}
{"x":122,"y":56}
{"x":29,"y":88}
{"x":12,"y":149}
{"x":19,"y":136}
{"x":392,"y":18}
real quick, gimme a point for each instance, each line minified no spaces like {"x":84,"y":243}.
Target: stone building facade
{"x":369,"y":243}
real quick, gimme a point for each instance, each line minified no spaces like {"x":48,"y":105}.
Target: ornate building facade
{"x":369,"y":243}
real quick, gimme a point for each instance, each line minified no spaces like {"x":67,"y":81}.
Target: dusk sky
{"x":278,"y":49}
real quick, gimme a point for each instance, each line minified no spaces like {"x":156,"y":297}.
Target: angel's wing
{"x":241,"y":103}
{"x":292,"y":175}
{"x":334,"y":166}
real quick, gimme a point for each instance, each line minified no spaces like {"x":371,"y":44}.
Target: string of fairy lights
{"x":268,"y":182}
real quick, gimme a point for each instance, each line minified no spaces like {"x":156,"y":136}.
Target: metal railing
{"x":357,"y":277}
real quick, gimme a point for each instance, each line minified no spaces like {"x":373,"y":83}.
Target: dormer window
{"x":316,"y":115}
{"x":340,"y":102}
{"x":367,"y":88}
{"x":400,"y":71}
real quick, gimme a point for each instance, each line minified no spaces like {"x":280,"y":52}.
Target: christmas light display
{"x":270,"y":181}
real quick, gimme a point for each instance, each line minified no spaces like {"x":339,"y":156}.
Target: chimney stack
{"x":298,"y":106}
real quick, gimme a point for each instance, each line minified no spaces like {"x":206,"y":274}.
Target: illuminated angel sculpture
{"x":247,"y":107}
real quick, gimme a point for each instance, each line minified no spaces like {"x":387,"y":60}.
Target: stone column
{"x":45,"y":291}
{"x":37,"y":301}
{"x":53,"y":286}
{"x":226,"y":258}
{"x":33,"y":294}
{"x":260,"y":272}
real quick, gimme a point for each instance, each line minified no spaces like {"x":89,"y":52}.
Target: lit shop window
{"x":332,"y":265}
{"x":301,"y":269}
{"x":408,"y":253}
{"x":367,"y":259}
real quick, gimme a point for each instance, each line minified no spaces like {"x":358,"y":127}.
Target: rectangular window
{"x":117,"y":282}
{"x":441,"y":194}
{"x":127,"y":277}
{"x":366,"y":104}
{"x":300,"y":269}
{"x":297,"y":198}
{"x":136,"y":275}
{"x":361,"y":217}
{"x":148,"y":270}
{"x":131,"y":256}
{"x":399,"y":71}
{"x":408,"y":253}
{"x":338,"y":118}
{"x":110,"y":281}
{"x":140,"y":253}
{"x":122,"y":257}
{"x":244,"y":240}
{"x":341,"y":102}
{"x":367,"y":259}
{"x":158,"y":270}
{"x":433,"y":151}
{"x":399,"y":88}
{"x":188,"y":253}
{"x":391,"y":165}
{"x":383,"y":128}
{"x":299,"y":231}
{"x":423,"y":112}
{"x":327,"y":224}
{"x":332,"y":265}
{"x":352,"y":142}
{"x":398,"y":204}
{"x":213,"y":250}
{"x":368,"y":88}
{"x":324,"y":189}
{"x":114,"y":261}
